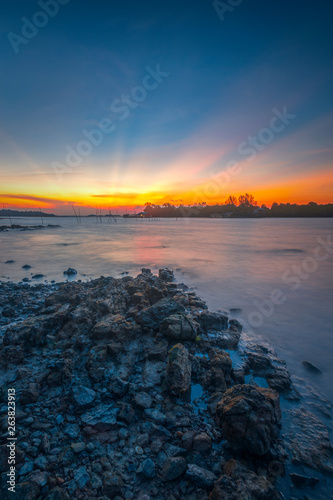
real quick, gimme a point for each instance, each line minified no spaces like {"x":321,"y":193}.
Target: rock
{"x":78,"y":447}
{"x":37,"y":276}
{"x":102,"y":417}
{"x":237,"y":482}
{"x":119,"y":387}
{"x":311,"y":368}
{"x":250,"y":417}
{"x":187,"y":439}
{"x":27,"y":491}
{"x":179,"y":370}
{"x":112,"y":484}
{"x":279,"y":380}
{"x":200,"y":477}
{"x":153,"y":316}
{"x":173,"y":469}
{"x":212,"y":321}
{"x":30,"y":395}
{"x":303,"y":481}
{"x":202,"y":443}
{"x":310,"y":442}
{"x":81,"y":477}
{"x":70,"y":272}
{"x":166,"y":274}
{"x":153,"y":373}
{"x":83,"y":396}
{"x":155,"y":415}
{"x":113,"y":326}
{"x":179,"y":327}
{"x":147,"y":469}
{"x":26,"y":266}
{"x":57,"y":494}
{"x":143,"y":400}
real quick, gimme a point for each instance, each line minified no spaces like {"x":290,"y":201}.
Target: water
{"x":234,"y":264}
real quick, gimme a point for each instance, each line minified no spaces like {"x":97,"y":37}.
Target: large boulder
{"x":179,"y":370}
{"x":179,"y":327}
{"x":114,"y":326}
{"x":212,"y":321}
{"x":153,"y":316}
{"x":250,"y":417}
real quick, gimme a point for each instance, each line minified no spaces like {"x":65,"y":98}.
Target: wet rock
{"x":310,"y":442}
{"x":173,"y":469}
{"x":102,"y":417}
{"x":279,"y":380}
{"x":81,"y":477}
{"x":119,"y":387}
{"x":78,"y":447}
{"x":250,"y":417}
{"x":70,"y":272}
{"x":153,"y":316}
{"x":27,"y":491}
{"x":26,"y":266}
{"x":57,"y":494}
{"x":187,"y":439}
{"x":31,"y":394}
{"x":112,"y":484}
{"x":114,"y":326}
{"x":156,"y":415}
{"x":83,"y":396}
{"x":202,"y":443}
{"x":166,"y":274}
{"x":147,"y":469}
{"x":237,"y":482}
{"x":153,"y":373}
{"x":179,"y":370}
{"x":200,"y":477}
{"x":179,"y":327}
{"x":38,"y":276}
{"x":212,"y":321}
{"x":143,"y":400}
{"x":311,"y":368}
{"x":303,"y":481}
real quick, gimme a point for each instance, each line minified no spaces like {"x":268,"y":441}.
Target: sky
{"x":115,"y":104}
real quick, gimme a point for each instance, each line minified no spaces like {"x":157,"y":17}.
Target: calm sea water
{"x":242,"y":265}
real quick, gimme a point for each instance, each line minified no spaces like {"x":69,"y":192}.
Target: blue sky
{"x":225,"y":79}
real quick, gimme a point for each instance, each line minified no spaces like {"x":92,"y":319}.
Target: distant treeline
{"x":18,"y":213}
{"x":247,"y":207}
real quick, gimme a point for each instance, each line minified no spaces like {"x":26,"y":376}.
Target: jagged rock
{"x":200,"y":477}
{"x":147,"y":469}
{"x":103,"y":417}
{"x":31,"y":394}
{"x":212,"y":321}
{"x":112,"y":484}
{"x":173,"y":469}
{"x":250,"y":417}
{"x":166,"y":274}
{"x":57,"y":494}
{"x":311,"y":368}
{"x":179,"y":327}
{"x":153,"y":316}
{"x":83,"y":396}
{"x":143,"y":400}
{"x":237,"y":482}
{"x":70,"y":272}
{"x":279,"y":380}
{"x":202,"y":443}
{"x":179,"y":370}
{"x":303,"y":481}
{"x":114,"y":326}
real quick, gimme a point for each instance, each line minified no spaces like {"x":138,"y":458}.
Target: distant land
{"x":23,"y":213}
{"x":243,"y":207}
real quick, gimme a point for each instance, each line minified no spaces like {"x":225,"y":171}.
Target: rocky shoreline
{"x":130,"y":389}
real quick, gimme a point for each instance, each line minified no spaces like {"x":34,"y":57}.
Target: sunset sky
{"x":210,"y":106}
